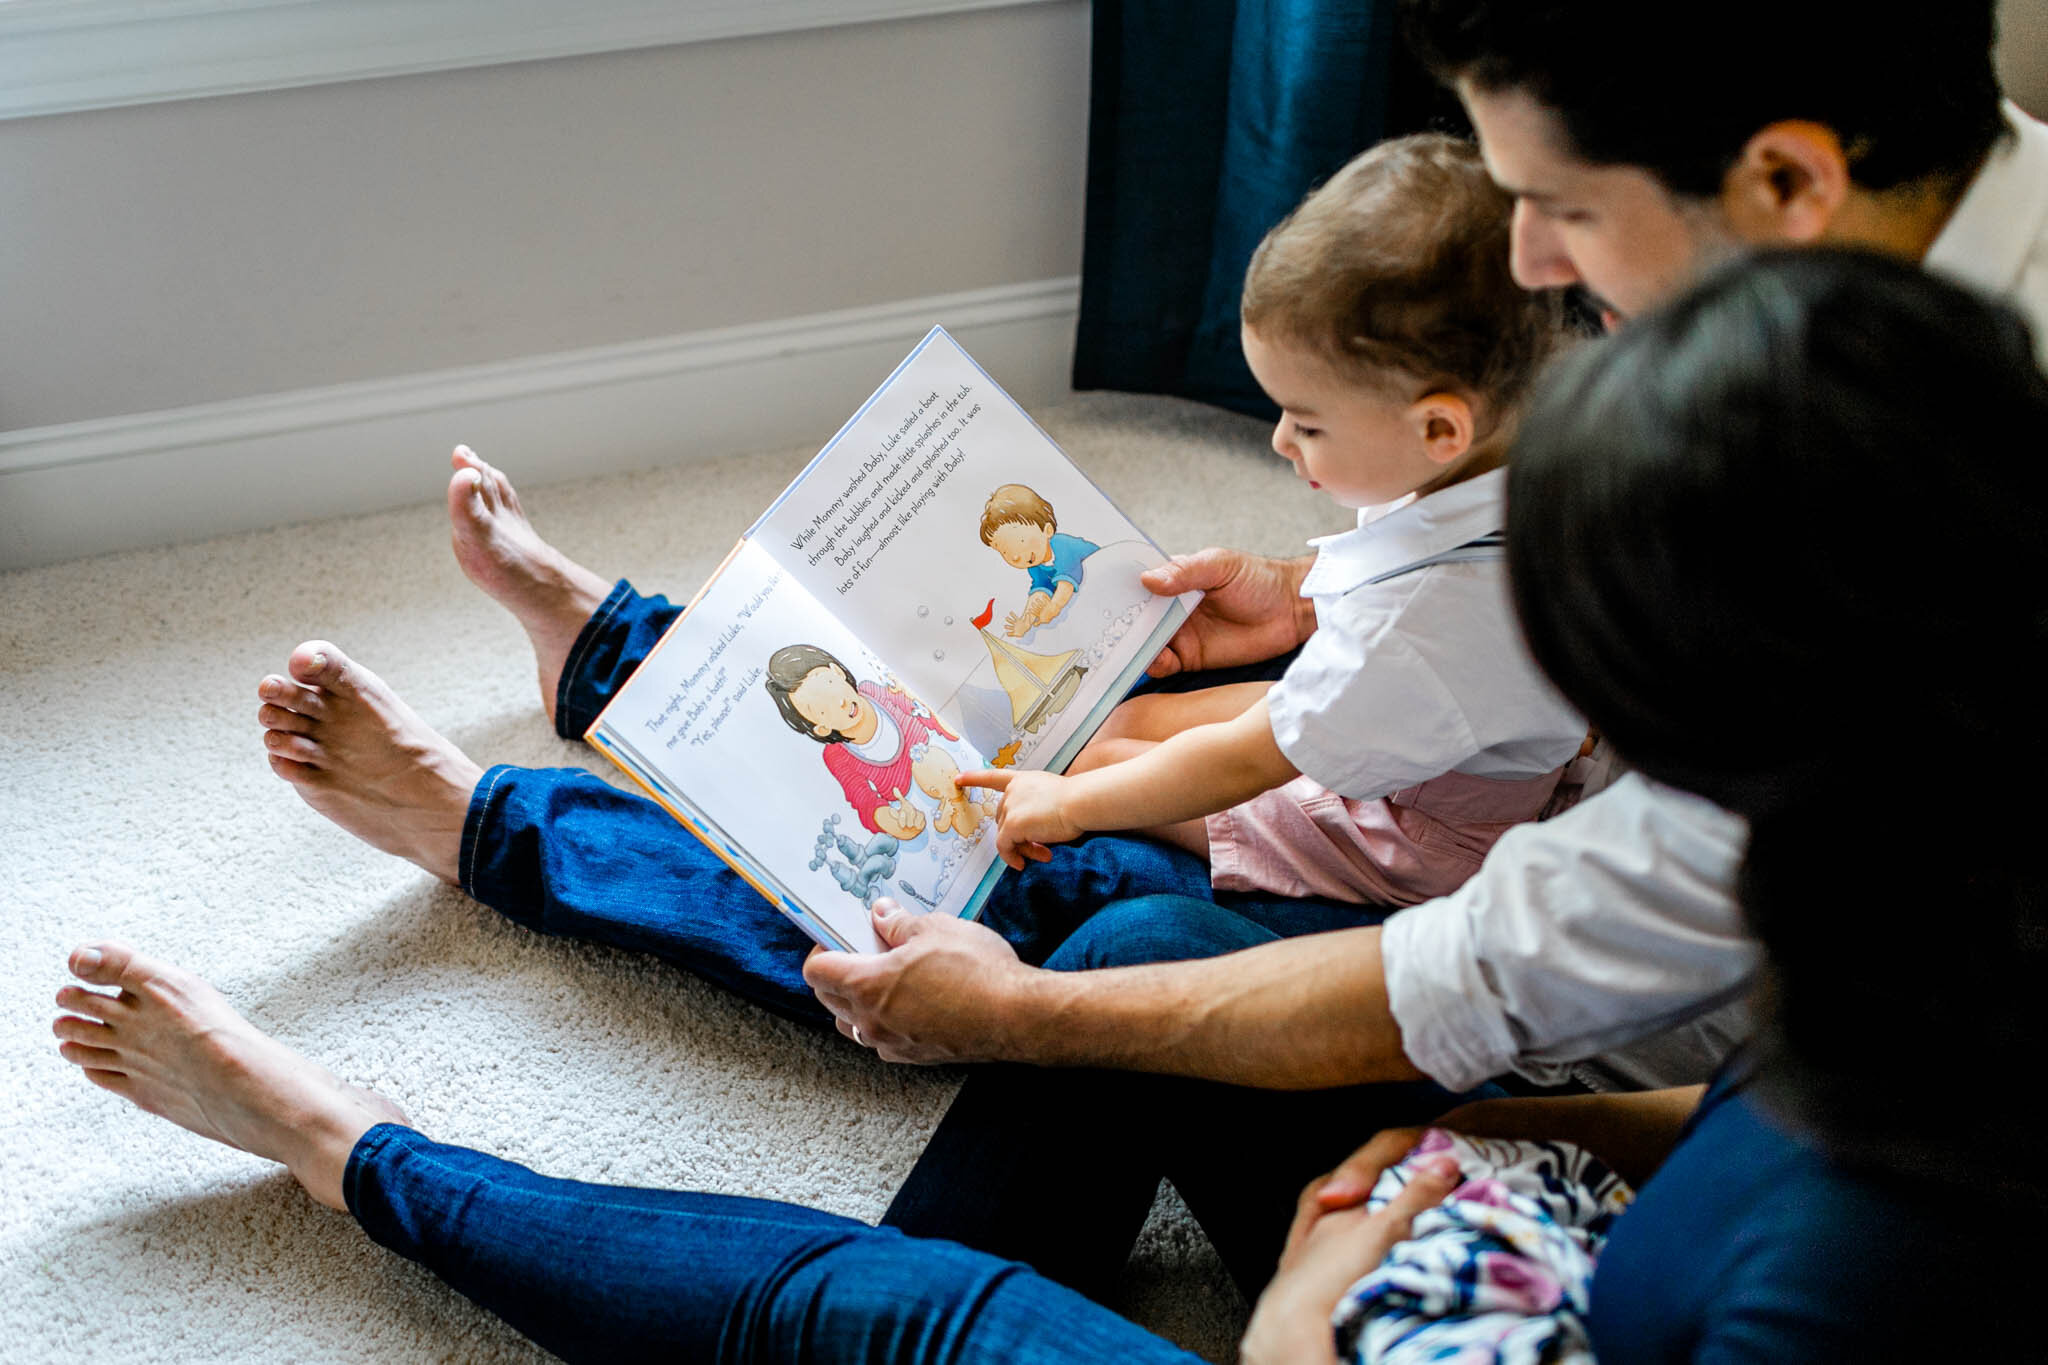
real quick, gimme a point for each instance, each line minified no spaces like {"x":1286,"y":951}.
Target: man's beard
{"x":1587,"y":314}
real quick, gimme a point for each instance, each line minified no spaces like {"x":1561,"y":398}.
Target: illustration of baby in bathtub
{"x":1020,"y":526}
{"x":955,"y":810}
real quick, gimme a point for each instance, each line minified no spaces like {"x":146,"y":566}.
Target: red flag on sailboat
{"x":988,"y":614}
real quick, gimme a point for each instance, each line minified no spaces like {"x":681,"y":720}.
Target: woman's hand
{"x":1351,"y":1183}
{"x":1031,"y":815}
{"x":1327,"y":1252}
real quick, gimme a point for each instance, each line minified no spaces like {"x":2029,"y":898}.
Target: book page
{"x":953,"y":536}
{"x":765,"y":724}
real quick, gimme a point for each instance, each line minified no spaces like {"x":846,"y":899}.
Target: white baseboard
{"x":158,"y":478}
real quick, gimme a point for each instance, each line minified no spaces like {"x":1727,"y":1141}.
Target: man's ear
{"x":1788,"y":184}
{"x":1444,"y":421}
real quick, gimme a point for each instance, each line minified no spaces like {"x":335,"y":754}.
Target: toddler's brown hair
{"x":1399,"y":263}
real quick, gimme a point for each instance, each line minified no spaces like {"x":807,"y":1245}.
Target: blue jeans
{"x":563,"y":852}
{"x":1056,"y":1168}
{"x":1053,"y":1167}
{"x":1059,"y":1167}
{"x":600,"y":1272}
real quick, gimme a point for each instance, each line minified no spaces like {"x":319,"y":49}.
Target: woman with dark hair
{"x":1787,"y":542}
{"x":1780,"y":543}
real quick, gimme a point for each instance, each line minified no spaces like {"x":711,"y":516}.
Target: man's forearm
{"x":1298,"y":1014}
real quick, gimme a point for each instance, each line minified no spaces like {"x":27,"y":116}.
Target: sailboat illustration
{"x":1039,"y":686}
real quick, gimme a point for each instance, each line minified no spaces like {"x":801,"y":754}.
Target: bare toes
{"x":117,"y":964}
{"x":297,"y":748}
{"x":316,"y":663}
{"x":283,"y":692}
{"x":274,"y":717}
{"x":94,"y":1058}
{"x":79,"y":1000}
{"x":101,"y":963}
{"x":89,"y":1032}
{"x":476,"y":479}
{"x":298,"y":774}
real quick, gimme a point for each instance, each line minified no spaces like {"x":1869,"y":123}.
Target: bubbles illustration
{"x":938,"y":654}
{"x":949,"y":620}
{"x":923,"y":612}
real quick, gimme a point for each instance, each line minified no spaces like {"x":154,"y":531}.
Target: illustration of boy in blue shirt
{"x":1020,"y":526}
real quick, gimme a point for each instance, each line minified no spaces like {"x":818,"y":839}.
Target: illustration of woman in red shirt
{"x":874,"y":736}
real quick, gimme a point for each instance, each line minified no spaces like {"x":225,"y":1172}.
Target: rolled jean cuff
{"x":576,"y":702}
{"x":370,"y":1148}
{"x":481,"y":804}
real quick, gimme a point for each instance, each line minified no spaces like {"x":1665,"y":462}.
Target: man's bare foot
{"x":365,"y":760}
{"x":497,"y":547}
{"x":170,"y":1044}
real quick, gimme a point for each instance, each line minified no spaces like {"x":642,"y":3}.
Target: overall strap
{"x":1491,"y":546}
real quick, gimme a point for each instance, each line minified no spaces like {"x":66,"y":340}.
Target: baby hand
{"x":1030,"y":816}
{"x":900,"y":819}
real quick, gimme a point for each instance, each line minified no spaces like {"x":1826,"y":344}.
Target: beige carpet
{"x":137,"y":805}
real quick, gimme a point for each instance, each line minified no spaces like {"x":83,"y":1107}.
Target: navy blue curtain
{"x":1208,"y":121}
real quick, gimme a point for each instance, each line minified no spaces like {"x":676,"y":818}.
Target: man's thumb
{"x":1163,"y":581}
{"x":893,"y":924}
{"x":1201,"y":571}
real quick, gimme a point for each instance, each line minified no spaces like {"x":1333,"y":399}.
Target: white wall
{"x":870,"y":179}
{"x":2023,"y":53}
{"x":232,"y":312}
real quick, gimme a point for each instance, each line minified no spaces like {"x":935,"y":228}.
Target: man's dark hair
{"x":1698,"y":546}
{"x":1910,"y":91}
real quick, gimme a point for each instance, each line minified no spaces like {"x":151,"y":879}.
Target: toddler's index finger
{"x":990,"y":779}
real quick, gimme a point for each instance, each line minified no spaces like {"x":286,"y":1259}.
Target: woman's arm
{"x":1197,"y":772}
{"x":1632,"y":1133}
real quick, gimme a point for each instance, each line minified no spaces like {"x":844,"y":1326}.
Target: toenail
{"x":85,"y":959}
{"x":319,"y":661}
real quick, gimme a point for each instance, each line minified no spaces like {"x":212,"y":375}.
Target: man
{"x":1593,"y":945}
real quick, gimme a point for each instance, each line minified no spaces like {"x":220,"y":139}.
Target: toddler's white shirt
{"x":1416,"y":672}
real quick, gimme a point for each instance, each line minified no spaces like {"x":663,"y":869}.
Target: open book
{"x":940,"y":590}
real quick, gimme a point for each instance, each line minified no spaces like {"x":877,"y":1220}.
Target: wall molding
{"x":156,"y":478}
{"x":61,"y":56}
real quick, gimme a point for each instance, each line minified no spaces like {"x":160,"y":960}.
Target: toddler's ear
{"x":1444,"y":422}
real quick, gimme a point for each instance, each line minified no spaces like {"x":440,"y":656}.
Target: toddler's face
{"x":1022,"y":545}
{"x":1358,"y":447}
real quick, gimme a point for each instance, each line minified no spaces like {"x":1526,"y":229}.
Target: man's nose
{"x":1536,"y":254}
